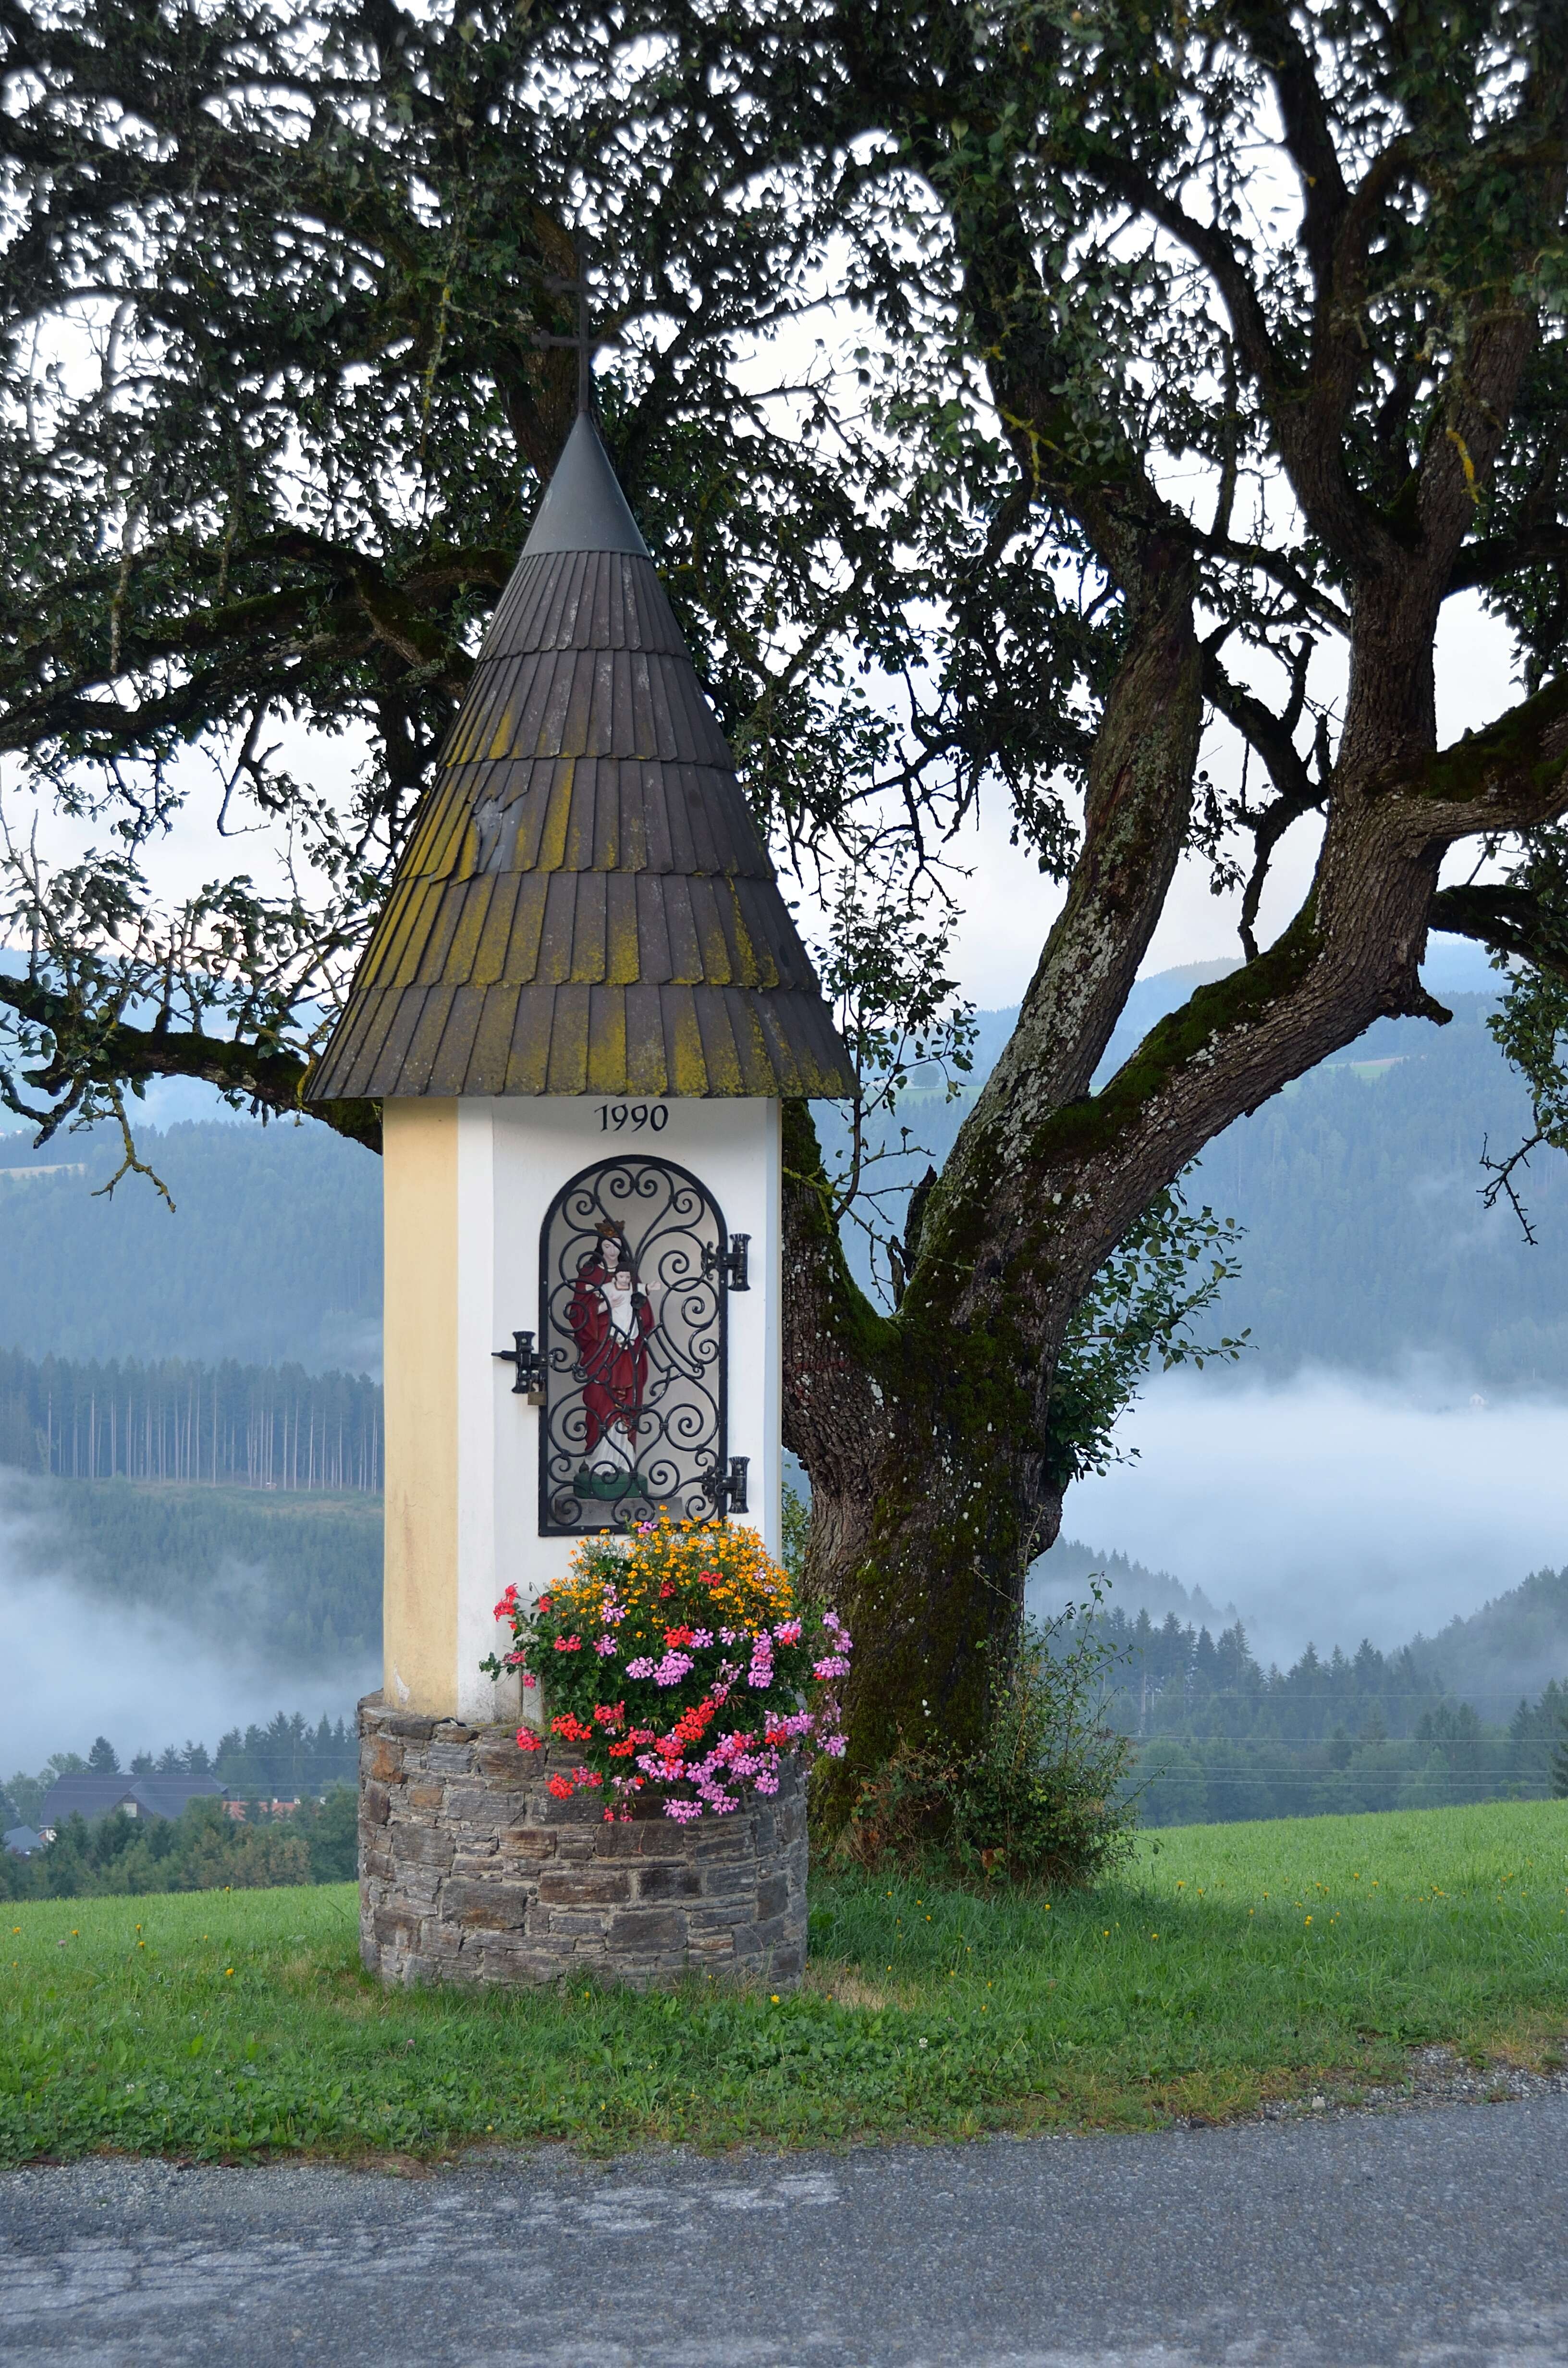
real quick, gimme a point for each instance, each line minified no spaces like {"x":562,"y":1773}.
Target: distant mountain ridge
{"x":1515,"y":1644}
{"x":1499,"y":1653}
{"x":1365,"y":1241}
{"x":272,"y":1256}
{"x":1062,"y":1575}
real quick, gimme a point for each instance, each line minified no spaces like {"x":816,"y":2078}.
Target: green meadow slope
{"x":1228,"y":1966}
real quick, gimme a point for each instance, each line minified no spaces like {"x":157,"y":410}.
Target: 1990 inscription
{"x":618,"y":1117}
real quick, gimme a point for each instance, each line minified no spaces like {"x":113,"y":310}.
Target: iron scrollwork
{"x":636,"y":1271}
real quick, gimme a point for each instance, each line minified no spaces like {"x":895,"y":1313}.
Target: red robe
{"x":614,"y":1369}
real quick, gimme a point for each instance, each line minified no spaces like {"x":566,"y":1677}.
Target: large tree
{"x":1207,"y":354}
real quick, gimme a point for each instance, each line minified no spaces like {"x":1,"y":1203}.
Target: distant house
{"x":140,"y":1797}
{"x":22,"y":1842}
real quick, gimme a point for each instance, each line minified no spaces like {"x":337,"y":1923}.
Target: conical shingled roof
{"x":585,"y":905}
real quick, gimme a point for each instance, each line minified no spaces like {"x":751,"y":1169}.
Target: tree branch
{"x":1290,"y":773}
{"x":1509,"y":778}
{"x":88,"y":1053}
{"x":1488,"y":562}
{"x":1510,"y":921}
{"x":1281,"y":571}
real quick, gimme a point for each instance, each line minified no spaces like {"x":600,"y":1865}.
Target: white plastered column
{"x":467,"y":1195}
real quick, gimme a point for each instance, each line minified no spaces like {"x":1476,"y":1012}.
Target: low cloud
{"x":1329,"y":1508}
{"x":74,"y":1664}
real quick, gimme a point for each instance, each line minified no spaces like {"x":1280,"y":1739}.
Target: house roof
{"x":22,"y":1841}
{"x":168,"y":1796}
{"x":585,"y":905}
{"x":92,"y":1796}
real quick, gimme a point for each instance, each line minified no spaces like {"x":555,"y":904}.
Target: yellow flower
{"x":740,"y":1583}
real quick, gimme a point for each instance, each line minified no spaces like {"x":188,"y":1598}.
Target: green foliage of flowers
{"x":1223,"y":1967}
{"x":677,"y":1662}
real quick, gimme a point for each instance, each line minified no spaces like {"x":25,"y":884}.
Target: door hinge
{"x":732,"y":1266}
{"x":529,"y":1362}
{"x":727,"y":1490}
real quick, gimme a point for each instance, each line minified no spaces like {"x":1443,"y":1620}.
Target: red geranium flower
{"x":562,"y":1787}
{"x":692,"y":1722}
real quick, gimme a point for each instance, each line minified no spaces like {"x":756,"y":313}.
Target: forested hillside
{"x":1501,"y":1651}
{"x":272,"y":1254}
{"x":262,"y":1425}
{"x":1168,"y":1635}
{"x":1366,"y":1238}
{"x":1360,"y":1188}
{"x":286,"y":1760}
{"x":289,"y":1582}
{"x":294,"y":1582}
{"x":1478,"y":1712}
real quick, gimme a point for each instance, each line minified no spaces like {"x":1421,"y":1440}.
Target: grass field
{"x":1230,"y":1965}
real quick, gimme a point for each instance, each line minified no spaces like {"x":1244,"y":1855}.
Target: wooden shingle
{"x":585,"y":905}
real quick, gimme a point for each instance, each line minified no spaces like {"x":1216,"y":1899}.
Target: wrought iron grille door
{"x":633,"y":1260}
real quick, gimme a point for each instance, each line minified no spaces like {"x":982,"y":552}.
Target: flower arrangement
{"x":677,"y":1662}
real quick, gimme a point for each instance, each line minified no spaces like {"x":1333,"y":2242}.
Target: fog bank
{"x":1329,"y":1508}
{"x":74,"y":1664}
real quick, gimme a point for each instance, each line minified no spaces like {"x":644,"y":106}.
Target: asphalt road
{"x":1436,"y":2236}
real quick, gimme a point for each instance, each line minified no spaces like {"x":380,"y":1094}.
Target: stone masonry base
{"x":470,"y":1871}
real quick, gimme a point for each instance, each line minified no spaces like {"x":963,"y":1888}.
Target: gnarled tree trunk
{"x":929,"y":1434}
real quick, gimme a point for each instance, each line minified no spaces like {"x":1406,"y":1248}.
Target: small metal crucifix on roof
{"x":585,"y":340}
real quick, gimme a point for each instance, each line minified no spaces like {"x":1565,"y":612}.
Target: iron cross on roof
{"x":585,"y":339}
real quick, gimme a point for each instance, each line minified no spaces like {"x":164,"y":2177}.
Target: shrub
{"x":203,"y":1849}
{"x":1043,"y":1799}
{"x":676,"y":1663}
{"x":332,"y":1836}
